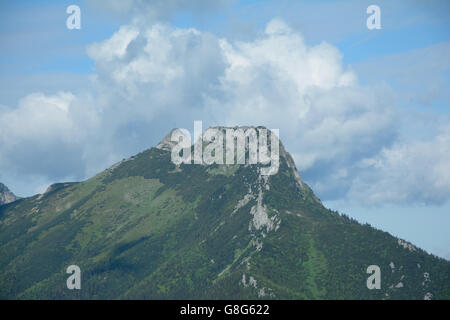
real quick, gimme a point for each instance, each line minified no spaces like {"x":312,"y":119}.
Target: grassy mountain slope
{"x":148,"y":229}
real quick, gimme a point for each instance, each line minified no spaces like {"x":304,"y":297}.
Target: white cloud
{"x":412,"y":172}
{"x":45,"y":136}
{"x":38,"y":117}
{"x":153,"y":77}
{"x":325,"y":118}
{"x":114,"y":47}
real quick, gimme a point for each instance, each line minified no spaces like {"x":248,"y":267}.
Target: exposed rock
{"x":265,"y":292}
{"x":260,"y":216}
{"x":251,"y":282}
{"x":249,"y":196}
{"x":6,"y":196}
{"x":406,"y":245}
{"x":426,"y":278}
{"x":167,"y":143}
{"x":262,"y":292}
{"x":392,"y":265}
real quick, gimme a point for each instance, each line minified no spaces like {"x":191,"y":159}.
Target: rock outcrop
{"x":6,"y":196}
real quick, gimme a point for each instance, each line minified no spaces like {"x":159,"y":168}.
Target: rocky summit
{"x":149,"y":229}
{"x":6,"y":196}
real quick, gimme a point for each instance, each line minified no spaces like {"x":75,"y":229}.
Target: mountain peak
{"x":150,"y":229}
{"x":167,"y":144}
{"x":6,"y":196}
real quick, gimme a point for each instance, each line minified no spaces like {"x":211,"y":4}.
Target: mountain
{"x":149,"y":229}
{"x":6,"y":196}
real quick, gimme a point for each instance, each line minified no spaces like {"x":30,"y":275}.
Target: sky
{"x":365,"y":113}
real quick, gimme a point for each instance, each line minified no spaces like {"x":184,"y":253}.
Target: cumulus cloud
{"x":151,"y":77}
{"x":417,"y":171}
{"x":45,"y":135}
{"x":325,"y":118}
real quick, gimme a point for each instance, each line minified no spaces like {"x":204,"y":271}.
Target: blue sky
{"x":388,"y":167}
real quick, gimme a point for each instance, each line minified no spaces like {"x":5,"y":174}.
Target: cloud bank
{"x":345,"y":137}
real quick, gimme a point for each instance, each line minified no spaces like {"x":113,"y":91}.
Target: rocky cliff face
{"x":6,"y":196}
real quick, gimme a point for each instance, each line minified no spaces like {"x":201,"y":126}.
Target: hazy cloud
{"x":407,"y":172}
